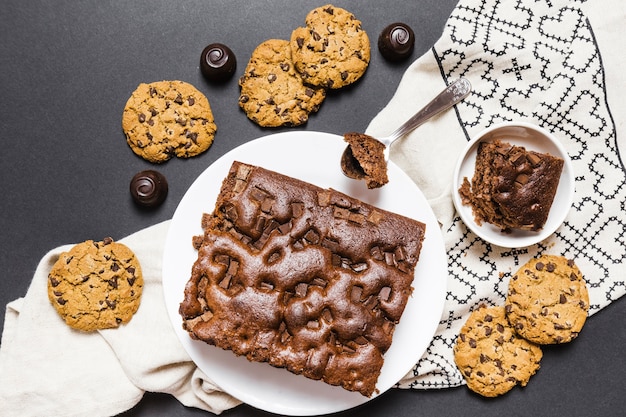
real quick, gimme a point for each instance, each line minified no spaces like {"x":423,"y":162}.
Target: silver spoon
{"x":452,"y":95}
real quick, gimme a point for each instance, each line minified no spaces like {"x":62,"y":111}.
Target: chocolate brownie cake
{"x":512,"y":188}
{"x":301,"y":277}
{"x":365,"y":159}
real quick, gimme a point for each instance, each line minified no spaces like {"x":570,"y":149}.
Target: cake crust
{"x":301,"y":277}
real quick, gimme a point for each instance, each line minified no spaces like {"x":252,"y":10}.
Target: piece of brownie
{"x":512,"y":188}
{"x":365,"y":160}
{"x":301,"y":277}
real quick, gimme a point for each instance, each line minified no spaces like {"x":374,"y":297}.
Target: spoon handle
{"x":453,"y":94}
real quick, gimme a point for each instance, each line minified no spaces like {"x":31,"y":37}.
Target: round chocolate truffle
{"x":396,"y":42}
{"x":148,"y":188}
{"x":217,"y":62}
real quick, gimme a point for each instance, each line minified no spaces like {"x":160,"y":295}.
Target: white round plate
{"x":532,"y":138}
{"x":312,"y":157}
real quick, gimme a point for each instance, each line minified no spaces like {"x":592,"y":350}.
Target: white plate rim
{"x":423,"y":311}
{"x":562,"y":202}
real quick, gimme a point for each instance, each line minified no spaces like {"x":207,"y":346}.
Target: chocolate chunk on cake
{"x":301,"y":277}
{"x":512,"y":188}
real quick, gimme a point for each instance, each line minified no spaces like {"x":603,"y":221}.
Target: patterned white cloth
{"x":555,"y":63}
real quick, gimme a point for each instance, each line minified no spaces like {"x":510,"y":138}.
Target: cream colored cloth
{"x":48,"y":369}
{"x":558,"y":64}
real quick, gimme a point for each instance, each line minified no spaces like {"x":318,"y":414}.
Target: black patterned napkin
{"x":552,"y":63}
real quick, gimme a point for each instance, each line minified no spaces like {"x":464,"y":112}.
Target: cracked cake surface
{"x":301,"y":277}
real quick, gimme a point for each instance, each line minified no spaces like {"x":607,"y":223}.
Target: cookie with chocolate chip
{"x":168,"y":118}
{"x":491,"y":356}
{"x":332,"y":50}
{"x":96,"y":285}
{"x":548,"y":300}
{"x":272,"y":91}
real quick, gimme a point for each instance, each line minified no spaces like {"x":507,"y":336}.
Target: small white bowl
{"x":531,"y":137}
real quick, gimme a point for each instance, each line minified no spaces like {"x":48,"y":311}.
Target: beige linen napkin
{"x":557,"y":64}
{"x":48,"y":369}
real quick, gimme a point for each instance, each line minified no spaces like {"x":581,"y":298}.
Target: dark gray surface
{"x":67,"y":69}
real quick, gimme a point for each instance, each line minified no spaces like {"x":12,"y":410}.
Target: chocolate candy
{"x":396,"y":42}
{"x":148,"y":188}
{"x":217,"y":62}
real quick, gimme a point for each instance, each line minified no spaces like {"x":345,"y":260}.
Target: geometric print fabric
{"x":536,"y":61}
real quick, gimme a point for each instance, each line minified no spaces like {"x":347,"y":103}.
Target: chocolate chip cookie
{"x":332,"y":50}
{"x":548,"y":300}
{"x":168,"y":118}
{"x":491,"y":356}
{"x":272,"y":91}
{"x":96,"y":285}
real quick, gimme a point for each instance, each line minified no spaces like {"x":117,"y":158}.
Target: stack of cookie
{"x":285,"y":81}
{"x":499,"y":346}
